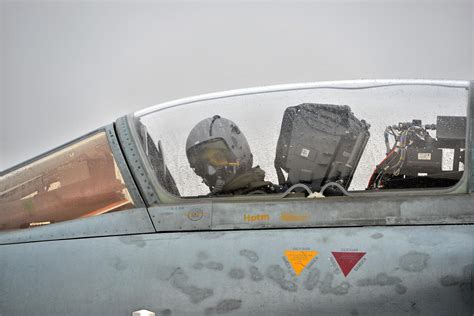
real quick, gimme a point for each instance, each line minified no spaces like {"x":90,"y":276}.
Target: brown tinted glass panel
{"x":80,"y":180}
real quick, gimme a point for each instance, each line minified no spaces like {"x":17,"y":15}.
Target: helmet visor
{"x":214,"y":152}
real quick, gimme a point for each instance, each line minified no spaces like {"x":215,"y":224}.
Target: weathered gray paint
{"x":237,"y":267}
{"x":329,"y":212}
{"x":182,"y":217}
{"x":136,"y":221}
{"x":136,"y":162}
{"x":470,"y":138}
{"x":421,"y":270}
{"x":139,"y":165}
{"x":122,"y":165}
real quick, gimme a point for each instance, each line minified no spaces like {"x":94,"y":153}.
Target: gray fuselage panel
{"x":403,"y":270}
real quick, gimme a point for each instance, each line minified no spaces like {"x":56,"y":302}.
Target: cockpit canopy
{"x":291,"y":141}
{"x":341,"y":136}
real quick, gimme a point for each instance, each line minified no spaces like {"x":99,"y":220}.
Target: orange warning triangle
{"x":299,"y":259}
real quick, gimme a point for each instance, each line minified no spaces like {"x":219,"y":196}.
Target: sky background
{"x":68,"y":67}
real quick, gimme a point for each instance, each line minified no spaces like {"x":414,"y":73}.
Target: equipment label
{"x":424,"y":156}
{"x":305,"y":152}
{"x":347,"y":260}
{"x":293,"y":217}
{"x":256,"y":217}
{"x":299,"y":259}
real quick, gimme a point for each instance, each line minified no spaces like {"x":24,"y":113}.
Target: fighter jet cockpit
{"x":219,"y":153}
{"x":331,"y":140}
{"x":302,"y":141}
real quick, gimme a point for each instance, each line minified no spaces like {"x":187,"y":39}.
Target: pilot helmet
{"x":218,"y":151}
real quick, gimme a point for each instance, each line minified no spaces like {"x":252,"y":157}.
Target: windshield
{"x":333,"y":137}
{"x":81,"y":179}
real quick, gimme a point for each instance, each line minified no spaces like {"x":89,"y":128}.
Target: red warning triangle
{"x":347,"y":260}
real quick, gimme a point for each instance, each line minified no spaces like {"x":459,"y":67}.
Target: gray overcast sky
{"x":68,"y":67}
